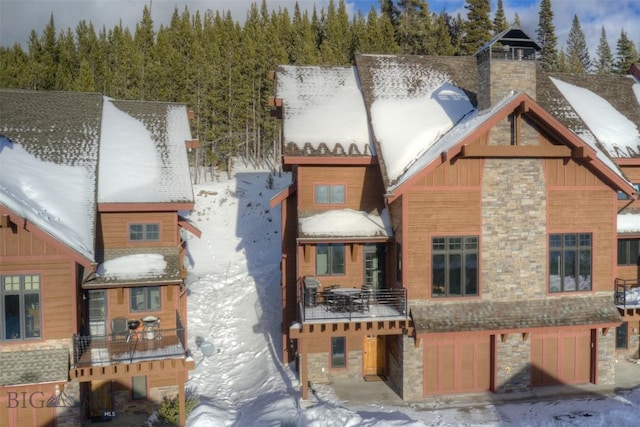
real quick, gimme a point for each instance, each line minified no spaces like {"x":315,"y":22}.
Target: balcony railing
{"x":352,"y":305}
{"x":96,"y":350}
{"x":627,"y":293}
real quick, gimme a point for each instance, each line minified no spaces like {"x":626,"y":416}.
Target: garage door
{"x":456,"y":364}
{"x":562,"y":357}
{"x":27,"y":405}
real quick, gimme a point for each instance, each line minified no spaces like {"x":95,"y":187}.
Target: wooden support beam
{"x":4,"y":221}
{"x":525,"y":336}
{"x":503,"y":337}
{"x":307,"y":253}
{"x":120,"y":296}
{"x":515,"y":151}
{"x":354,"y":251}
{"x":605,"y":331}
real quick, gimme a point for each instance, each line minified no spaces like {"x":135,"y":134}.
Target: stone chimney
{"x":507,"y":63}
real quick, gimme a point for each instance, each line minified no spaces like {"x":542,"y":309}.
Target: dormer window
{"x":144,"y":232}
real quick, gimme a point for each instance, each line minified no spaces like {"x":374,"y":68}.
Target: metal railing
{"x":627,"y":293}
{"x":95,"y":350}
{"x":323,"y":304}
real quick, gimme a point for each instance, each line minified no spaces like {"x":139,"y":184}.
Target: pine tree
{"x":578,"y":60}
{"x":302,"y":47}
{"x":442,"y":37}
{"x":547,"y":37}
{"x":604,"y":63}
{"x":563,"y":64}
{"x":335,"y":46}
{"x":516,"y":21}
{"x":626,"y":54}
{"x":477,"y":28}
{"x":14,"y":64}
{"x":144,"y":38}
{"x":85,"y":81}
{"x":499,"y":19}
{"x":67,"y":65}
{"x":413,"y":31}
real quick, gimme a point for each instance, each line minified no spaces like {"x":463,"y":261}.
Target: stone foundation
{"x":319,"y":371}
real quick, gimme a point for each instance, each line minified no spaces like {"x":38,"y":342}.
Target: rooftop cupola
{"x":506,"y":63}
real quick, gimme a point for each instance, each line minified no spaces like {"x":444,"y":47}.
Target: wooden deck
{"x":104,"y":350}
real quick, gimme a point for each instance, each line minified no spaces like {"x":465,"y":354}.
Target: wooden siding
{"x":27,"y":406}
{"x":570,"y":174}
{"x":586,"y":211}
{"x":113,"y":229}
{"x":118,"y":300}
{"x":461,"y":173}
{"x":440,"y":212}
{"x":16,"y":242}
{"x":354,"y":342}
{"x":354,"y":268}
{"x":364,"y":188}
{"x":57,"y":293}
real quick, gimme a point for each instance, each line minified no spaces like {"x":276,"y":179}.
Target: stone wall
{"x":606,"y":356}
{"x":413,"y":369}
{"x":513,"y":372}
{"x":497,"y":78}
{"x":514,"y":230}
{"x":319,"y":371}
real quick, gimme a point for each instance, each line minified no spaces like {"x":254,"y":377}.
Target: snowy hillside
{"x":234,"y":304}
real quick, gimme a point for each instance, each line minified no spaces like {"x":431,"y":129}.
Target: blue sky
{"x":19,"y":17}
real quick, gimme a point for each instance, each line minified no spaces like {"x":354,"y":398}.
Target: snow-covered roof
{"x":618,"y":135}
{"x":142,"y":153}
{"x":346,"y":223}
{"x":323,"y":110}
{"x":629,"y":223}
{"x":50,"y":147}
{"x":48,"y":161}
{"x":412,"y":107}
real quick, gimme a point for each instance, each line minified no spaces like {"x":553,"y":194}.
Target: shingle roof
{"x":37,"y":366}
{"x":149,"y":163}
{"x":58,"y":130}
{"x":468,"y":316}
{"x":171,"y":273}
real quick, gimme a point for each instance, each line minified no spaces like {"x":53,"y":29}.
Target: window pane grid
{"x":20,"y":307}
{"x":330,"y":194}
{"x":454,"y":270}
{"x":144,"y":232}
{"x":570,"y":262}
{"x":330,"y":260}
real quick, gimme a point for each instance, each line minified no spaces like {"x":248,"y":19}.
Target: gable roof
{"x":143,"y":154}
{"x":48,"y":162}
{"x":323,"y":111}
{"x":54,"y":145}
{"x":602,"y":109}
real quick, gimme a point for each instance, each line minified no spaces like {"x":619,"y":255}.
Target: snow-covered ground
{"x":234,"y":304}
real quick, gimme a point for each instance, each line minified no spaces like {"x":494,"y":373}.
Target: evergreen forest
{"x":220,"y":68}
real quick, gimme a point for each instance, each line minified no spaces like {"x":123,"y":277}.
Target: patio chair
{"x":361,"y":302}
{"x":120,"y":329}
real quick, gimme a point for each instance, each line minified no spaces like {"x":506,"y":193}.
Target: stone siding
{"x":512,"y":362}
{"x":606,"y":356}
{"x":319,"y":371}
{"x":413,"y":375}
{"x":497,"y":78}
{"x":514,"y":230}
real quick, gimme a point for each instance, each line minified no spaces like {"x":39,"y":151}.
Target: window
{"x":330,"y":260}
{"x":454,"y":266}
{"x":621,"y":336}
{"x":570,"y":262}
{"x":139,"y":387}
{"x":628,"y":251}
{"x":338,"y":352}
{"x":144,"y":232}
{"x":20,"y":306}
{"x":329,"y":194}
{"x":145,"y":298}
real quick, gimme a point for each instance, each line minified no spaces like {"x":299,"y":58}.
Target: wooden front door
{"x":100,"y":399}
{"x":374,"y":360}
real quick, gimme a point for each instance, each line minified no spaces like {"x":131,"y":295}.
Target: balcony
{"x":136,"y":347}
{"x":351,"y":305}
{"x":627,"y":294}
